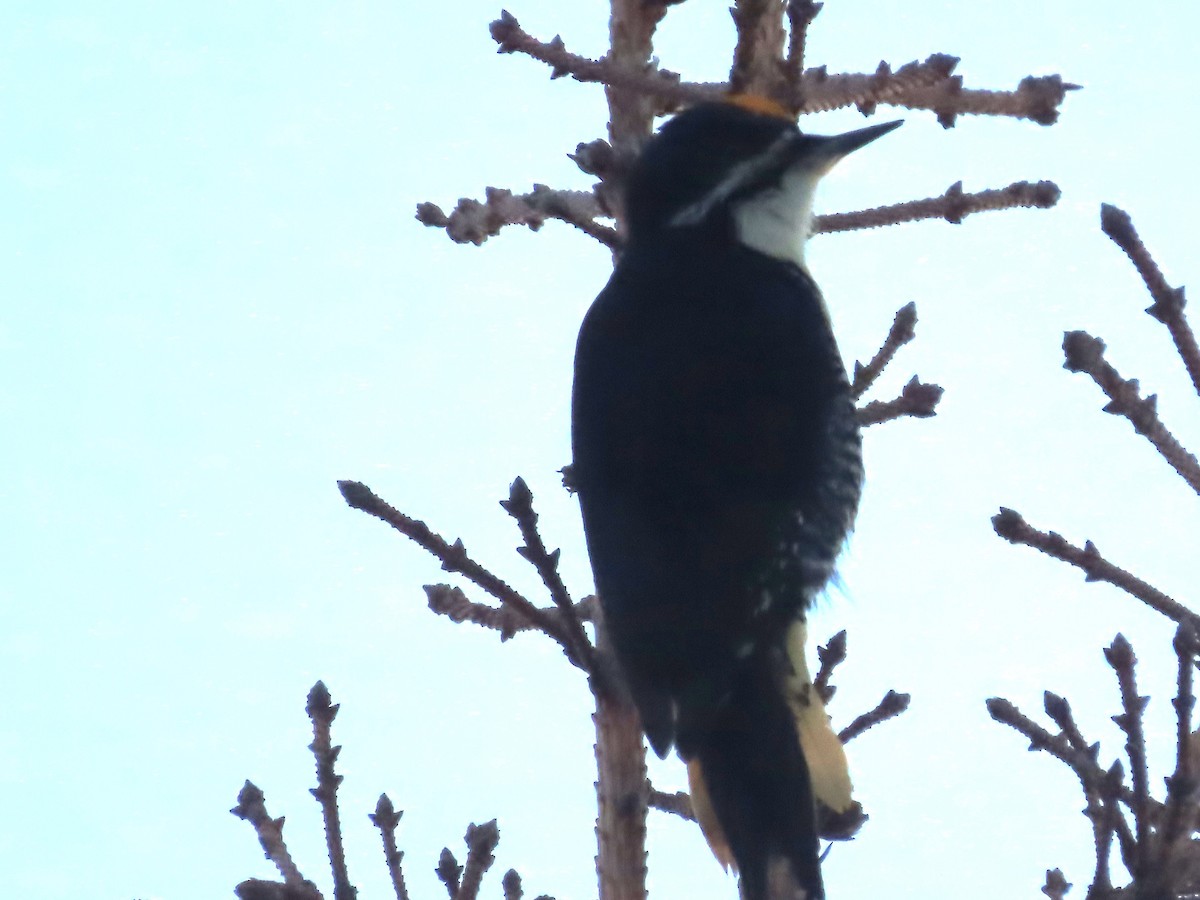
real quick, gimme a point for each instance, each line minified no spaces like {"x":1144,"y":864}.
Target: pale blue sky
{"x":214,"y":302}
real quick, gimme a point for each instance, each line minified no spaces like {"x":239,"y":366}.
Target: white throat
{"x":778,"y":221}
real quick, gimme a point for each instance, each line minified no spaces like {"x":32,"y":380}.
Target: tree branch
{"x":519,"y":505}
{"x":454,"y":558}
{"x":252,"y":808}
{"x":889,"y":707}
{"x":953,"y":206}
{"x":1120,"y":657}
{"x":387,"y":819}
{"x":1085,"y":353}
{"x":830,"y":656}
{"x":322,"y":711}
{"x":481,"y":843}
{"x":917,"y":399}
{"x":915,"y":85}
{"x":1011,"y":526}
{"x":1168,"y":301}
{"x":756,"y":57}
{"x":901,"y":332}
{"x":472,"y":222}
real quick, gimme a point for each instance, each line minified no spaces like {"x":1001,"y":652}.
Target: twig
{"x":454,"y":558}
{"x":818,"y":91}
{"x":1182,"y":811}
{"x":1011,"y":526}
{"x":472,"y":222}
{"x":1113,"y":789}
{"x":451,"y":602}
{"x":260,"y":889}
{"x":1081,"y":762}
{"x":800,"y":15}
{"x":889,"y":707}
{"x":1168,"y":301}
{"x":759,"y":48}
{"x":322,"y":711}
{"x":915,"y":85}
{"x":1037,"y":98}
{"x":678,"y":803}
{"x":831,"y":656}
{"x":512,"y":885}
{"x":917,"y":399}
{"x":1103,"y":816}
{"x":901,"y":332}
{"x":631,"y":112}
{"x":449,"y":872}
{"x":621,"y":796}
{"x":387,"y":819}
{"x":481,"y":843}
{"x":1085,"y":353}
{"x":251,"y":807}
{"x":953,"y":206}
{"x":1059,"y":710}
{"x":1056,"y":886}
{"x":1120,"y":657}
{"x":519,"y":505}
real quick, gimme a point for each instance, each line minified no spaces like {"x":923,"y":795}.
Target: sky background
{"x":215,"y":302}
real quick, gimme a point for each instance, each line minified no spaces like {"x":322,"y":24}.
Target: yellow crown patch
{"x":765,"y":106}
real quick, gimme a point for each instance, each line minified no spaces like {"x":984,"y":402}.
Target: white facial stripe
{"x":778,"y":221}
{"x":742,"y":174}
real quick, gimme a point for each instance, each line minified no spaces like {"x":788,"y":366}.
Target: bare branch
{"x":512,"y":885}
{"x":915,"y":85}
{"x":756,"y":58}
{"x":1085,"y":353}
{"x":449,"y":601}
{"x":259,"y":889}
{"x":454,"y":558}
{"x":1120,"y":657}
{"x":387,"y":819}
{"x":831,"y":656}
{"x":1011,"y":526}
{"x":889,"y":707}
{"x":818,"y":91}
{"x":678,"y":803}
{"x":472,"y":222}
{"x":519,"y":505}
{"x":481,"y":843}
{"x":1037,"y":98}
{"x":1102,"y":816}
{"x":1168,"y":301}
{"x":800,"y":15}
{"x":449,"y":873}
{"x":917,"y":399}
{"x":322,"y":711}
{"x":631,"y":112}
{"x":252,"y":808}
{"x":1056,"y":886}
{"x":1082,"y":762}
{"x":953,"y":206}
{"x":901,"y":332}
{"x":1182,"y":808}
{"x":621,"y":783}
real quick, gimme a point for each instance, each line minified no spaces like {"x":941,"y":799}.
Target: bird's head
{"x":742,"y":167}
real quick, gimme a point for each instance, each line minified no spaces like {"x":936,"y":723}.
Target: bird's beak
{"x":834,"y":147}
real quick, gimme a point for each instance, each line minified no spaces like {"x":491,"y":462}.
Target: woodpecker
{"x":718,"y":462}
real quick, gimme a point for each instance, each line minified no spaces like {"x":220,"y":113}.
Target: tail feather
{"x":757,"y":773}
{"x":755,"y":782}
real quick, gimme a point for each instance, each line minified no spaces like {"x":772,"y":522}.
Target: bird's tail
{"x":755,"y":774}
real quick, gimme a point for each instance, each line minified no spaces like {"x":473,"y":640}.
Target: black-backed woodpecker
{"x":718,"y":462}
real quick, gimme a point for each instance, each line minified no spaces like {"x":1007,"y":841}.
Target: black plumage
{"x":718,"y":463}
